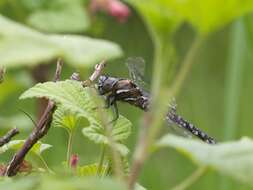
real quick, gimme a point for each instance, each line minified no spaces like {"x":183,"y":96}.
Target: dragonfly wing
{"x":136,"y":67}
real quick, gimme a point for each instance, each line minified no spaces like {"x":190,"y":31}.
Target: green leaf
{"x":68,"y":17}
{"x":61,"y":183}
{"x":20,"y":45}
{"x":37,"y":149}
{"x":84,"y":51}
{"x":198,"y":13}
{"x":66,"y":119}
{"x":230,"y":158}
{"x":139,"y":187}
{"x":161,"y":21}
{"x":85,"y":102}
{"x":90,"y":170}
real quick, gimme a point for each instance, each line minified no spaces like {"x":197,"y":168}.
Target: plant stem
{"x":191,"y":179}
{"x":186,"y":66}
{"x":45,"y":165}
{"x":153,"y":119}
{"x":233,"y":86}
{"x":69,"y":150}
{"x":101,"y":160}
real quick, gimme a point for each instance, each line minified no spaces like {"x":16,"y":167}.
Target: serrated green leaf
{"x":37,"y":149}
{"x":230,"y":158}
{"x":20,"y":45}
{"x":84,"y":101}
{"x":69,"y":17}
{"x":90,"y":170}
{"x":64,"y":118}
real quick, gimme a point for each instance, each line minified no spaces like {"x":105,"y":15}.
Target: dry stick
{"x":38,"y":132}
{"x":98,"y":70}
{"x":6,"y":138}
{"x":2,"y":71}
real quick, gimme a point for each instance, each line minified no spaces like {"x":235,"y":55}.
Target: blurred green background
{"x":217,"y":95}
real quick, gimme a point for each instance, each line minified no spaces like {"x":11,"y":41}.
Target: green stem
{"x":233,"y":83}
{"x":191,"y":179}
{"x":186,"y":66}
{"x":70,"y":143}
{"x":101,"y":160}
{"x":45,"y":165}
{"x":176,"y":86}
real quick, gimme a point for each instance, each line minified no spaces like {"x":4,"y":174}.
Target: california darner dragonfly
{"x":131,"y":91}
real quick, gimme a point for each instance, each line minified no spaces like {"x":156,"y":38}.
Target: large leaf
{"x":161,"y":21}
{"x":210,"y":15}
{"x":84,"y":102}
{"x":60,"y":16}
{"x":230,"y":158}
{"x":61,"y":183}
{"x":20,"y":45}
{"x":37,"y":149}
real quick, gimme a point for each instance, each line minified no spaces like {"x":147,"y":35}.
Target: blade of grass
{"x":233,"y":80}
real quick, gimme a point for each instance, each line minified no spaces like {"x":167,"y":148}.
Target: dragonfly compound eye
{"x":101,"y":84}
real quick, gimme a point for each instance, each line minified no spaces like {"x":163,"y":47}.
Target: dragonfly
{"x":133,"y":91}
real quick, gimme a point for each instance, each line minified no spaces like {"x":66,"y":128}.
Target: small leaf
{"x":90,"y":170}
{"x":139,"y":187}
{"x":230,"y":158}
{"x":37,"y":149}
{"x":64,"y":118}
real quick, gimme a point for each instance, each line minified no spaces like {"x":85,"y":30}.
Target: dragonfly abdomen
{"x":171,"y":116}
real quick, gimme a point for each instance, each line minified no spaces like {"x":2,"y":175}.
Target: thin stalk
{"x":233,"y":83}
{"x":186,"y":66}
{"x":153,"y":119}
{"x":101,"y":160}
{"x":69,"y":150}
{"x":45,"y":165}
{"x":191,"y":179}
{"x":175,"y":88}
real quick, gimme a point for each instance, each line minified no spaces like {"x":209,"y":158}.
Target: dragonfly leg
{"x":115,"y":112}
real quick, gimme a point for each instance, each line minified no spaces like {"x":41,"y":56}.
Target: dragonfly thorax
{"x":106,"y":84}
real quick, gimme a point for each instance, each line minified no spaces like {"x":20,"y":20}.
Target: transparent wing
{"x":136,"y":67}
{"x":172,"y":126}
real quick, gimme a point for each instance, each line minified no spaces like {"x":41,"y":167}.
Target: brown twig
{"x":2,"y":71}
{"x":98,"y":70}
{"x":6,"y":138}
{"x":38,"y":132}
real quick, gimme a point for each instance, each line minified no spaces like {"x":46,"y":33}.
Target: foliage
{"x":83,"y":102}
{"x":34,"y":32}
{"x":37,"y":149}
{"x":230,"y":158}
{"x":35,"y":47}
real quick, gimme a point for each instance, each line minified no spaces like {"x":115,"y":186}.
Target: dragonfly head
{"x":106,"y":84}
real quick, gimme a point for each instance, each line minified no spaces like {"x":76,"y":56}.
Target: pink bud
{"x":115,"y":8}
{"x":74,"y":160}
{"x":118,"y":10}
